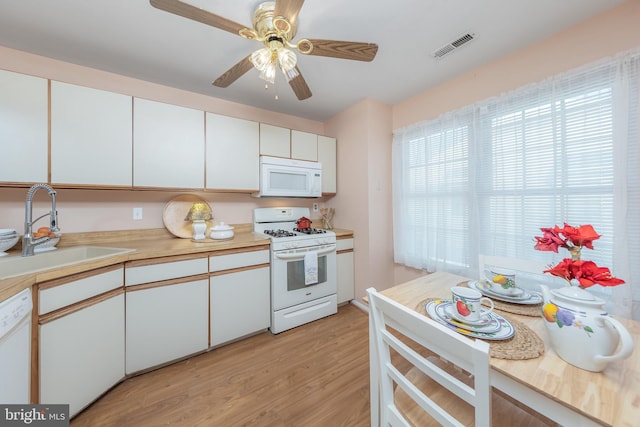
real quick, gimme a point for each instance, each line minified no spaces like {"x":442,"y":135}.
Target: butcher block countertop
{"x":146,"y":244}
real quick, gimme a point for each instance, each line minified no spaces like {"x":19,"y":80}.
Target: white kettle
{"x":581,"y":331}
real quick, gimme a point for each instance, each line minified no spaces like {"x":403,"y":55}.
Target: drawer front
{"x":165,"y":271}
{"x":69,"y":293}
{"x":342,"y":244}
{"x":238,"y":260}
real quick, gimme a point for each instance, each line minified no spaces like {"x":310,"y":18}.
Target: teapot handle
{"x":626,"y":342}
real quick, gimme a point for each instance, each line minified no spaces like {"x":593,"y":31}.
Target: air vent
{"x":451,"y":46}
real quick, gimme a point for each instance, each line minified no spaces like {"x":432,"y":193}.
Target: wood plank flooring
{"x":313,"y":375}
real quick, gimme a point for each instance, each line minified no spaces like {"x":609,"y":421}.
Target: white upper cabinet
{"x":304,"y":146}
{"x":233,"y":153}
{"x":327,"y":156}
{"x":168,"y":146}
{"x":23,"y":128}
{"x":90,"y":136}
{"x":275,"y":141}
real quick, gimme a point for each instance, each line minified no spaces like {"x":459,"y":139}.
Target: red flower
{"x":585,"y":272}
{"x":584,"y":235}
{"x":567,"y":237}
{"x":550,"y":240}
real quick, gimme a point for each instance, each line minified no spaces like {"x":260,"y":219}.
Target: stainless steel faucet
{"x":28,"y":243}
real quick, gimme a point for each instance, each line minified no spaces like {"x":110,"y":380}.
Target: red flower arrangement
{"x":587,"y":273}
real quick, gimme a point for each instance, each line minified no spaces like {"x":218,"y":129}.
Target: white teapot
{"x":581,"y":331}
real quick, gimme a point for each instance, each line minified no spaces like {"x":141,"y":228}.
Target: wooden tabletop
{"x":611,"y":397}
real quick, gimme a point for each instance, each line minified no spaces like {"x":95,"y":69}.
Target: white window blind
{"x":486,"y":178}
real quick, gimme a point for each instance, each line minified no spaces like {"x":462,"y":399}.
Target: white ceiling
{"x":132,"y":38}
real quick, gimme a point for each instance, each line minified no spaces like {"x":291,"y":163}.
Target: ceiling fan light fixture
{"x":287,"y":59}
{"x":291,"y":73}
{"x":261,"y":58}
{"x":269,"y":73}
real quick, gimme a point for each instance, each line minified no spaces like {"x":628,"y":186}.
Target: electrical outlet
{"x":137,"y":214}
{"x":315,"y":207}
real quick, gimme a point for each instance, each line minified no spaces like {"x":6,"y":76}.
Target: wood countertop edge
{"x":159,"y":245}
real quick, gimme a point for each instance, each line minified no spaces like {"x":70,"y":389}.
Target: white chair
{"x":423,"y":373}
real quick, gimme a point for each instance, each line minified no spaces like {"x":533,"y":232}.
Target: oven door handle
{"x":300,"y":255}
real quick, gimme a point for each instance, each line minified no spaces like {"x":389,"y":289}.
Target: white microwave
{"x":281,"y":177}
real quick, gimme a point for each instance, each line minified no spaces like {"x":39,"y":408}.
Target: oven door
{"x":288,"y":278}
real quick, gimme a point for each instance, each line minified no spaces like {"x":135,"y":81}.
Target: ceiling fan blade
{"x":234,"y":73}
{"x":288,"y":8}
{"x":192,"y":12}
{"x":341,"y":49}
{"x":299,"y":86}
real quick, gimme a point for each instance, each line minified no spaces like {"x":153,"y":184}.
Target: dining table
{"x":539,"y":378}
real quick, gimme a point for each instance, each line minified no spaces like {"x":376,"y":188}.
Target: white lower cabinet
{"x":344,"y":269}
{"x":166,"y":323}
{"x":82,"y":353}
{"x":167,"y":310}
{"x":240,"y":295}
{"x":81,"y":337}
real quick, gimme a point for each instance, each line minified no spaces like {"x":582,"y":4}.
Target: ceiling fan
{"x":275,"y":24}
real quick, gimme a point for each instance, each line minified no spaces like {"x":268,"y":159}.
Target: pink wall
{"x":363,"y":201}
{"x":614,"y":31}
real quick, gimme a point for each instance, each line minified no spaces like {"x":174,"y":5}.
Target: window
{"x":486,"y":178}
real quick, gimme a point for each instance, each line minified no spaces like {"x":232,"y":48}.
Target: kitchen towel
{"x":310,"y":268}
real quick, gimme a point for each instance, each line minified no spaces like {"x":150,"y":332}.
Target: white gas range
{"x":303,"y":267}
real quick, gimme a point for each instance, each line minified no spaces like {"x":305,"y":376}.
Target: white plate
{"x":506,"y":330}
{"x":7,"y":231}
{"x":528,"y":298}
{"x":445,"y":310}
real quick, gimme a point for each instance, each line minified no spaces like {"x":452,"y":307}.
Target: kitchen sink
{"x":17,"y":265}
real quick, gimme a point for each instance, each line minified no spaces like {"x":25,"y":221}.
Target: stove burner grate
{"x":279,"y":233}
{"x":310,"y":230}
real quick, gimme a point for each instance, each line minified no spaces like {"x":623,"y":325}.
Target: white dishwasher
{"x":15,"y":348}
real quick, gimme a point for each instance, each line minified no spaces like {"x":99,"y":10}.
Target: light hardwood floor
{"x":313,"y":375}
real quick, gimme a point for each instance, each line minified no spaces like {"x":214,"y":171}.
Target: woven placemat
{"x":532,"y":310}
{"x":525,"y":344}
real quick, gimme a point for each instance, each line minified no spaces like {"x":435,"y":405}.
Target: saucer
{"x":506,"y":330}
{"x":445,"y":310}
{"x":527,"y":298}
{"x":509,"y":292}
{"x":450,"y":311}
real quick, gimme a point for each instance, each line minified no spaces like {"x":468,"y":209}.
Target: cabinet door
{"x":304,"y":145}
{"x":240,"y":304}
{"x":233,"y":153}
{"x":327,"y":156}
{"x":82,"y":354}
{"x":344,"y":268}
{"x":24,"y":114}
{"x":275,"y":141}
{"x":168,"y":146}
{"x":166,"y":323}
{"x":90,"y":136}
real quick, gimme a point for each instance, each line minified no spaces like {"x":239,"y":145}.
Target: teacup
{"x":502,"y":281}
{"x":467,"y":304}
